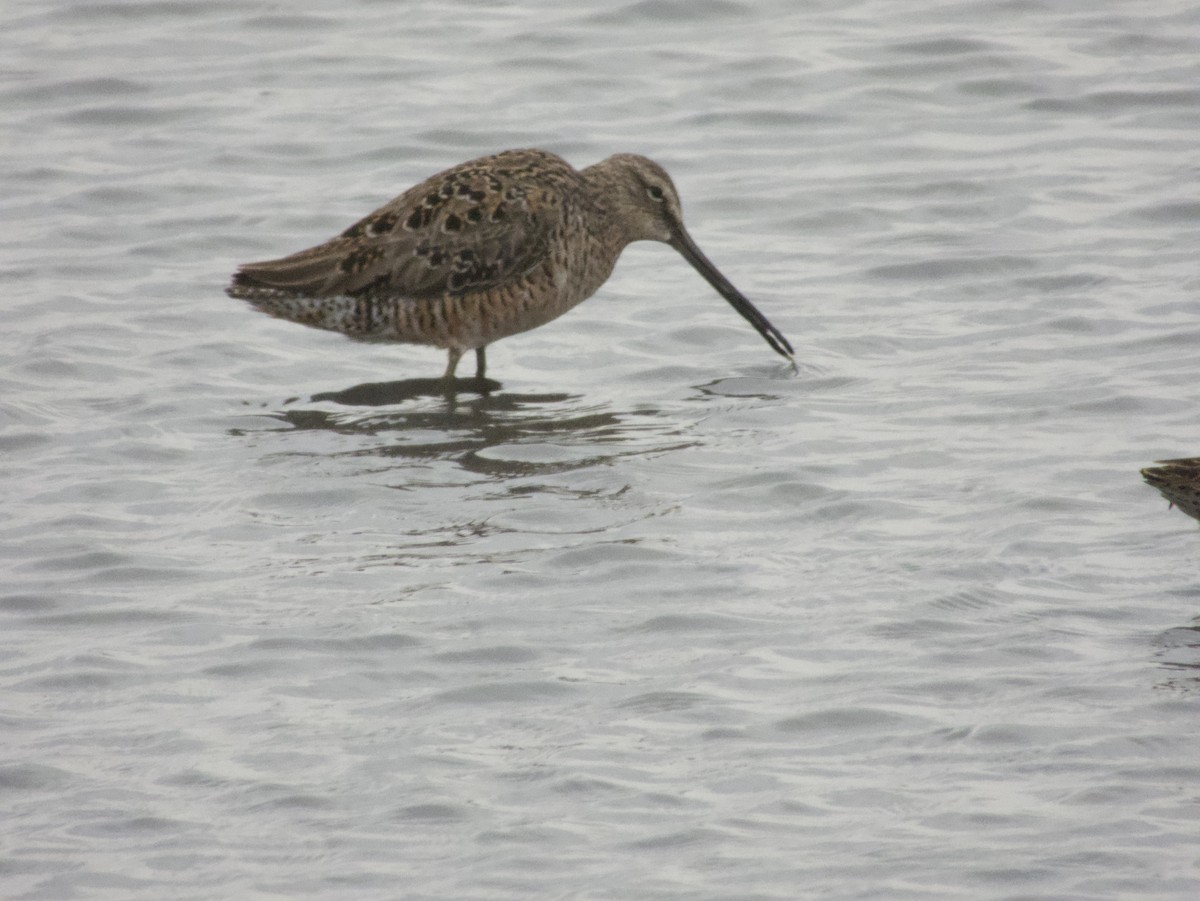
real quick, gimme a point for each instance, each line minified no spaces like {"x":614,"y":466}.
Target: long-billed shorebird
{"x":484,"y":250}
{"x":1179,"y":482}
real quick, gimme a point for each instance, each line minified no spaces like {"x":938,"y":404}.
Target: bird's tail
{"x":365,"y":318}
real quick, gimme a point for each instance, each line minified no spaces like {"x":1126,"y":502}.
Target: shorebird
{"x":1179,"y":482}
{"x":487,"y":249}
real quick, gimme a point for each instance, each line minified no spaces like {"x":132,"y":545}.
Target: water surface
{"x":658,"y":618}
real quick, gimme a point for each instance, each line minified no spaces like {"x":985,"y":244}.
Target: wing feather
{"x":468,"y":228}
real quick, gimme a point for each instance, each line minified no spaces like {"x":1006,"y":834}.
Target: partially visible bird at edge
{"x":1179,"y":482}
{"x":487,"y":249}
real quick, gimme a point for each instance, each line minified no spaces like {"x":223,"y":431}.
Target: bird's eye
{"x":655,"y":192}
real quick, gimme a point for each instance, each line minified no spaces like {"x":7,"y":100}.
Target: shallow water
{"x":659,"y":618}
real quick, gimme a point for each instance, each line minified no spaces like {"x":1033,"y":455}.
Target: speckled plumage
{"x":484,"y":250}
{"x":1179,"y":483}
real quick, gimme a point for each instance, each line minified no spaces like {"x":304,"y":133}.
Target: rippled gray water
{"x":661,"y":618}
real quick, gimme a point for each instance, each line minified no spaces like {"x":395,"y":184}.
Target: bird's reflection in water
{"x":481,"y":428}
{"x":382,"y":394}
{"x":1179,"y":654}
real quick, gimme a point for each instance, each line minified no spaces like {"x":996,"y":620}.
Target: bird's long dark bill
{"x":686,"y":246}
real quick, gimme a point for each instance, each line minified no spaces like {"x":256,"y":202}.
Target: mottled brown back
{"x":472,"y":227}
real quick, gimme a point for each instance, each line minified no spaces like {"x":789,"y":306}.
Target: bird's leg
{"x":480,"y":361}
{"x":455,"y":356}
